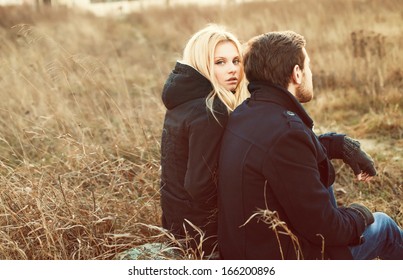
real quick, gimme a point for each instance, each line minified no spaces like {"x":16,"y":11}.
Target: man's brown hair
{"x":271,"y":57}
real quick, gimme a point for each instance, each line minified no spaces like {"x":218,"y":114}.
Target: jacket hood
{"x":184,"y":83}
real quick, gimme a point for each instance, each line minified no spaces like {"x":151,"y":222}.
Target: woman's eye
{"x":236,"y":61}
{"x":219,"y":62}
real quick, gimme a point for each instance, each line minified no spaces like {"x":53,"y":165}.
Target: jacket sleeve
{"x":292,"y":172}
{"x":205,"y":135}
{"x":333,"y":144}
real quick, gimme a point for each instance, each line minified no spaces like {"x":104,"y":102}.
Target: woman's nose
{"x":232,"y":68}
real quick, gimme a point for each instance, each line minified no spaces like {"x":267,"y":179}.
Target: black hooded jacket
{"x":190,"y":146}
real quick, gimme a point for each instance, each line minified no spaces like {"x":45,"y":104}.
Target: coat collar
{"x":266,"y":92}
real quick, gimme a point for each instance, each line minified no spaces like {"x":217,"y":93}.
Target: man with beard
{"x":275,"y":175}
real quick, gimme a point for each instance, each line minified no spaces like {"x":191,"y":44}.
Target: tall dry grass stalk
{"x":81,"y":116}
{"x":273,"y":221}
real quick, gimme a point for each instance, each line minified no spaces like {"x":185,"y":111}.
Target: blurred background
{"x":81,"y":112}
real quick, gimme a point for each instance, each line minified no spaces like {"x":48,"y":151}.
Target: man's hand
{"x":361,"y":163}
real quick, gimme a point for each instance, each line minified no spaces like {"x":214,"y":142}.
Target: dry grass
{"x":81,"y":114}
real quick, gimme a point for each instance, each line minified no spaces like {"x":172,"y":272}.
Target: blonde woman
{"x":199,"y":94}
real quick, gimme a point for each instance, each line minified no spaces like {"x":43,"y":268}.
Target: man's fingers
{"x":365,"y":177}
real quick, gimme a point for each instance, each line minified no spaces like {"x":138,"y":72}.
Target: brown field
{"x":81,"y":114}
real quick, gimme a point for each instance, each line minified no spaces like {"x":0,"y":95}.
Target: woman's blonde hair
{"x":199,"y":53}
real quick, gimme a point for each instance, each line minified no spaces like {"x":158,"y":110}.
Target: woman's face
{"x":227,"y":65}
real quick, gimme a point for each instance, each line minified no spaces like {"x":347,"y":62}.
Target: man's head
{"x":280,"y":58}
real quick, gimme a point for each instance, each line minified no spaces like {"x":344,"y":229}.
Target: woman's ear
{"x":297,"y":74}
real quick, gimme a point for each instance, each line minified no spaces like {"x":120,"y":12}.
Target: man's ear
{"x":297,"y":74}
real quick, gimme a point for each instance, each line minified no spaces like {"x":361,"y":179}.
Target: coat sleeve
{"x":333,"y":144}
{"x":292,"y":172}
{"x":205,"y":135}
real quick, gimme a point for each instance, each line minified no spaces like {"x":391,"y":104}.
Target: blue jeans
{"x":383,"y":238}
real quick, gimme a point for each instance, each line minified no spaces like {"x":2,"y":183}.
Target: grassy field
{"x":81,"y":114}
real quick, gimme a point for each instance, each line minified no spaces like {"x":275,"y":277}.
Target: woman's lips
{"x":232,"y":81}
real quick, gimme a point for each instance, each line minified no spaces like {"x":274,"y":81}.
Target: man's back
{"x":271,"y":160}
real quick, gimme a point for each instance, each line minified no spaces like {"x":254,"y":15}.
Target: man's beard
{"x":303,"y":93}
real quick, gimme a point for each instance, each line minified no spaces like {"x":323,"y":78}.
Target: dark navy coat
{"x":272,"y":160}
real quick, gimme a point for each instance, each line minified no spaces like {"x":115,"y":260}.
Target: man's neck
{"x":292,"y":88}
